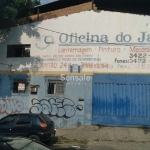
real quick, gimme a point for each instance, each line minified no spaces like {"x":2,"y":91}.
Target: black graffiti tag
{"x":62,"y":107}
{"x":79,"y":107}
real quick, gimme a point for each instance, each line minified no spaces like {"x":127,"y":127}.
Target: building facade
{"x":90,"y":67}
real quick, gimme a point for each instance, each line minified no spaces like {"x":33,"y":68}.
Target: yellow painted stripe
{"x":45,"y":72}
{"x":64,"y":72}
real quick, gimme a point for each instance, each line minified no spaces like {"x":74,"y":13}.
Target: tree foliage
{"x":12,"y":10}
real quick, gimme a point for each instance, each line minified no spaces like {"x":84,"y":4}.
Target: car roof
{"x":31,"y":114}
{"x":21,"y":142}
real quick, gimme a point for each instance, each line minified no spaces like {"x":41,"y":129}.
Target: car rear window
{"x":45,"y":118}
{"x":36,"y":120}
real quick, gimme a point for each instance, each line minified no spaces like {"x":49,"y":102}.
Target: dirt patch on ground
{"x":80,"y":133}
{"x":61,"y":141}
{"x":146,"y":130}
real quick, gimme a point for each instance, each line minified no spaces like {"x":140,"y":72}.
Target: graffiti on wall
{"x":61,"y":108}
{"x":10,"y":106}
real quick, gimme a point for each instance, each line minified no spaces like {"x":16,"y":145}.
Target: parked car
{"x":19,"y":143}
{"x":34,"y":126}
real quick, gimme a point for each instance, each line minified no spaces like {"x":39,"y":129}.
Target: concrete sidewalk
{"x":100,"y":133}
{"x":102,"y":138}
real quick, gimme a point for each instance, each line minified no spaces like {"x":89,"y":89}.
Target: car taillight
{"x":44,"y":126}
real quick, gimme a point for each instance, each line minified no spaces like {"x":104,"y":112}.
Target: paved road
{"x":100,"y":148}
{"x":108,"y":145}
{"x":93,"y":148}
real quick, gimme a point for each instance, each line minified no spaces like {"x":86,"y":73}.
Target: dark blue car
{"x":34,"y":126}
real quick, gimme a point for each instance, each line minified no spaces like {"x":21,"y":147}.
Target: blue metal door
{"x":121,"y":100}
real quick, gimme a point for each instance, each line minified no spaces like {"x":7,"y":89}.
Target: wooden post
{"x":38,"y":12}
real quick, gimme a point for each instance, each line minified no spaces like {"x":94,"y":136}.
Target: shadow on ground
{"x":62,"y":143}
{"x":53,"y":141}
{"x":58,"y":143}
{"x":66,"y":149}
{"x":90,"y":148}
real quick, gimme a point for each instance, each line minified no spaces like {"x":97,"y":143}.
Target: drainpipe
{"x":92,"y":4}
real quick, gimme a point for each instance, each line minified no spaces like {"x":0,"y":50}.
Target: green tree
{"x":12,"y":10}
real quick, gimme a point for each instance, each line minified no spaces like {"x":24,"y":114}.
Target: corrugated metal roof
{"x":126,"y":6}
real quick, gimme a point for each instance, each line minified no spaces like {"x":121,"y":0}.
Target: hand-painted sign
{"x":21,"y":86}
{"x":118,"y":44}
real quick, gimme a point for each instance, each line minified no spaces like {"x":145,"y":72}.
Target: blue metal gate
{"x":121,"y":100}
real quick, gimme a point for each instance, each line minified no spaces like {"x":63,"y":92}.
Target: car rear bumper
{"x":45,"y":136}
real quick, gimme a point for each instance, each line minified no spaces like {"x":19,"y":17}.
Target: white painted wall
{"x":111,"y":54}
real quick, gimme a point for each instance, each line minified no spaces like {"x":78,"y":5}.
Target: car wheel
{"x":34,"y":137}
